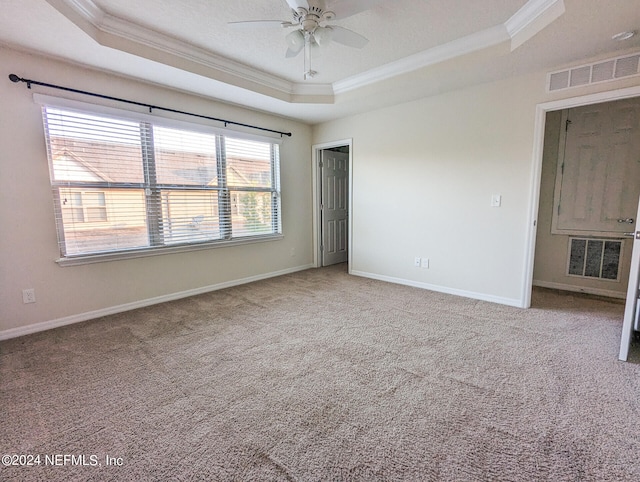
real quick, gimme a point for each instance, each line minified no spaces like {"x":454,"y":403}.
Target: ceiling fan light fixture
{"x":619,"y":37}
{"x":322,"y":35}
{"x":295,"y":40}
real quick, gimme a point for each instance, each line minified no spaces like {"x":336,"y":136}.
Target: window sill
{"x":159,"y":251}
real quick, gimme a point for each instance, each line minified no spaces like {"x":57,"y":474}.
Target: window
{"x":84,"y":206}
{"x":124,"y":185}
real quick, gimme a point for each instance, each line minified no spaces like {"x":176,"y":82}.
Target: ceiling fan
{"x":311,"y":30}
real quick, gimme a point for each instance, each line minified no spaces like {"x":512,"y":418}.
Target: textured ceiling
{"x":423,"y":44}
{"x":395,"y":29}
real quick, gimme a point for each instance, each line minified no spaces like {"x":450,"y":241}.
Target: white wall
{"x":423,"y":176}
{"x":28,"y":245}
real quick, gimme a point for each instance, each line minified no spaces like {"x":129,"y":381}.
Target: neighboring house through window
{"x":123,"y":184}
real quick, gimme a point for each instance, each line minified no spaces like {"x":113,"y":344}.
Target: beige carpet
{"x":323,"y":376}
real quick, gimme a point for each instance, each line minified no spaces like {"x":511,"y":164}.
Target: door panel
{"x":334,"y":206}
{"x":599,"y":172}
{"x":631,"y":305}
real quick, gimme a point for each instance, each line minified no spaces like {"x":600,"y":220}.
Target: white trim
{"x":315,"y":181}
{"x":596,"y":98}
{"x":465,"y":45}
{"x":441,"y":289}
{"x":68,"y":320}
{"x":533,"y":17}
{"x":106,"y":27}
{"x":164,"y":250}
{"x":529,"y":13}
{"x":579,"y":289}
{"x":536,"y":170}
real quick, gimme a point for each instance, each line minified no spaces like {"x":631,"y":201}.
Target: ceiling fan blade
{"x":348,"y":37}
{"x":346,"y":8}
{"x":296,"y":4}
{"x":260,"y":23}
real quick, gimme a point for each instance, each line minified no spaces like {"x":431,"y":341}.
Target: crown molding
{"x":531,"y":19}
{"x":127,"y":36}
{"x":524,"y":24}
{"x":456,"y":48}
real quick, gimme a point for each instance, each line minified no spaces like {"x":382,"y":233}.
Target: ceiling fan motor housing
{"x":310,"y":19}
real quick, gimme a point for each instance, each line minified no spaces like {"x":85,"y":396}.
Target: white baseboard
{"x":68,"y":320}
{"x":443,"y":289}
{"x":579,"y":289}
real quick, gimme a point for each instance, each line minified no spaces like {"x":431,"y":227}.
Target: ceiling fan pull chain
{"x":308,"y":72}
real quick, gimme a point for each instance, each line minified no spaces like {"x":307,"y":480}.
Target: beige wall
{"x":28,"y":244}
{"x":423,"y":176}
{"x":552,"y":249}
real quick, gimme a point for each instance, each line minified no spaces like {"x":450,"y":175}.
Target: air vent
{"x":594,"y":258}
{"x":610,"y":69}
{"x":603,"y":71}
{"x":627,"y":66}
{"x":580,"y":76}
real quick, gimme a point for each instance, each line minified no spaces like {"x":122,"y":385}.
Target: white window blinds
{"x":123,"y":185}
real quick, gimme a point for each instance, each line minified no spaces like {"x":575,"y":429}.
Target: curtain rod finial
{"x":14,"y":78}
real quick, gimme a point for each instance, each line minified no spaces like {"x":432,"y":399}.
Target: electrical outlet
{"x":29,"y":296}
{"x":416,"y":262}
{"x":424,"y":263}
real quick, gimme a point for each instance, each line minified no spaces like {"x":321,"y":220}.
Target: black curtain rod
{"x":29,"y":82}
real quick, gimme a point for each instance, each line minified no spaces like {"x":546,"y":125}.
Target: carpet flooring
{"x":318,"y":376}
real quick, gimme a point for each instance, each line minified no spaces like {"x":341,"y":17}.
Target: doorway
{"x":588,"y":198}
{"x":332,"y":203}
{"x":538,"y":151}
{"x":534,"y":206}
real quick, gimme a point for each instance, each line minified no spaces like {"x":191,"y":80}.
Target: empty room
{"x":350,"y":240}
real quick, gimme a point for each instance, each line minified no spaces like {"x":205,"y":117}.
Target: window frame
{"x":157,"y":244}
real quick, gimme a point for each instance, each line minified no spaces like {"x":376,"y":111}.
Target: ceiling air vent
{"x":610,"y":69}
{"x":627,"y":66}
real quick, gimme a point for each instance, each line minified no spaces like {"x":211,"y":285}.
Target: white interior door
{"x":334,"y":209}
{"x":596,"y":186}
{"x":631,"y":306}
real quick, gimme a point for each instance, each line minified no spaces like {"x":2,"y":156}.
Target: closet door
{"x":598,"y":176}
